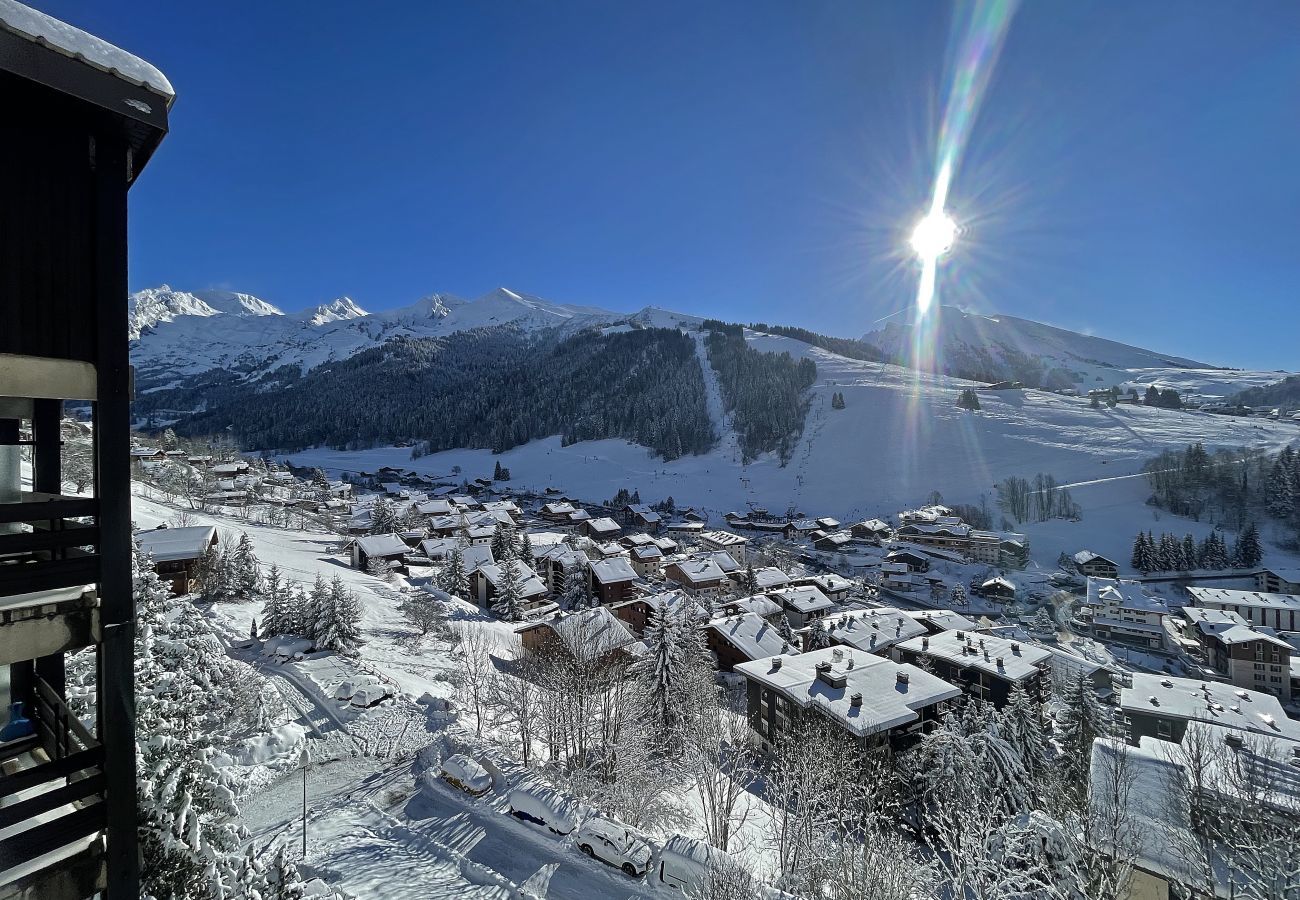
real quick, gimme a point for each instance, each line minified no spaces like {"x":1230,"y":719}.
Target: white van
{"x":686,"y":863}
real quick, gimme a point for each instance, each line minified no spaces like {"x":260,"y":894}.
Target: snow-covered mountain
{"x":176,"y":334}
{"x":998,"y":347}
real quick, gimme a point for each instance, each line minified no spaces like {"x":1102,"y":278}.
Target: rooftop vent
{"x":1235,"y":740}
{"x":1000,"y":662}
{"x":837,"y":654}
{"x":1015,"y":647}
{"x":959,"y":635}
{"x":1165,"y":682}
{"x":903,"y":677}
{"x":925,"y":643}
{"x":776,"y":661}
{"x":1155,"y":701}
{"x":855,"y":700}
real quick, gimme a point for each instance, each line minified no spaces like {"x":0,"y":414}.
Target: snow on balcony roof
{"x":63,"y":38}
{"x":173,"y":544}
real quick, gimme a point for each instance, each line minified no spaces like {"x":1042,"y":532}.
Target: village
{"x":873,"y":635}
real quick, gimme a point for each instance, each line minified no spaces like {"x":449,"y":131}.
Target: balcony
{"x":52,"y":809}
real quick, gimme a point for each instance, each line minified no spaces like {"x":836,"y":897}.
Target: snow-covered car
{"x":614,"y":843}
{"x":541,"y":804}
{"x":283,"y":649}
{"x":347,"y":689}
{"x":370,"y":694}
{"x":463,"y":773}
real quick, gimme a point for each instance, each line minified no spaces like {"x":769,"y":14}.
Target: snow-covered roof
{"x":828,"y":582}
{"x":757,"y":604}
{"x":438,"y":548}
{"x":557,"y":509}
{"x":174,"y":544}
{"x":1286,"y":574}
{"x":382,"y":545}
{"x":579,"y":515}
{"x":530,"y":585}
{"x":873,"y":525}
{"x":645,"y":512}
{"x":638,"y":539}
{"x":1199,"y":614}
{"x":770,"y":578}
{"x":646,"y":553}
{"x":1083,"y":557}
{"x":944,"y":619}
{"x":1263,"y":766}
{"x":613,"y":570}
{"x":434,"y":508}
{"x":888,"y":694}
{"x":697,"y":571}
{"x":1004,"y":658}
{"x":1234,"y":633}
{"x":589,"y":633}
{"x":723,"y":539}
{"x":751,"y":635}
{"x":1124,"y":594}
{"x":838,"y":538}
{"x":1207,"y":701}
{"x":999,"y":582}
{"x":1204,"y":596}
{"x":603,"y":524}
{"x":722,"y":559}
{"x":475,"y":557}
{"x":872,"y":630}
{"x":97,"y":53}
{"x":804,"y":598}
{"x":936,"y":530}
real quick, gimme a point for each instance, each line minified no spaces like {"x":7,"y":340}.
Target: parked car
{"x":541,"y":804}
{"x":285,"y":648}
{"x":464,"y":773}
{"x":347,"y":689}
{"x":614,"y":843}
{"x":371,"y":694}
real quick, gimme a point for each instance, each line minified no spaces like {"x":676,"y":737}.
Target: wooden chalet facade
{"x":84,"y":119}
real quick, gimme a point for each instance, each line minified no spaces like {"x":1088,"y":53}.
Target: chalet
{"x":485,"y":582}
{"x":555,"y":563}
{"x":911,"y":560}
{"x":1123,"y":611}
{"x":724,"y":561}
{"x":1240,"y":654}
{"x":744,"y":638}
{"x":937,"y":620}
{"x":1278,"y":581}
{"x":1013,"y":551}
{"x":985,"y":666}
{"x":438,"y":549}
{"x":700,"y":578}
{"x":768,"y":578}
{"x":689,"y":528}
{"x":877,"y":701}
{"x":636,"y":539}
{"x":1279,"y":611}
{"x":871,"y":530}
{"x":1094,"y":565}
{"x":647,"y":560}
{"x":833,"y":542}
{"x":83,"y":121}
{"x":231,"y":469}
{"x":802,"y":604}
{"x":733,"y":544}
{"x":826,"y":523}
{"x":147,"y":459}
{"x":637,"y":611}
{"x":587,"y":635}
{"x":997,"y":588}
{"x":895,"y":577}
{"x":692,"y":515}
{"x":612,"y":580}
{"x":955,"y":537}
{"x":388,"y":548}
{"x":504,"y":511}
{"x":835,"y":587}
{"x":602,"y":529}
{"x":437,"y":507}
{"x":871,"y":630}
{"x":666,"y":544}
{"x":177,"y":553}
{"x":640,"y":515}
{"x":985,"y":547}
{"x":759,"y":604}
{"x":1162,"y":706}
{"x":927,"y":514}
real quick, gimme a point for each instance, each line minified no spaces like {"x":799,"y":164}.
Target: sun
{"x":933,"y":236}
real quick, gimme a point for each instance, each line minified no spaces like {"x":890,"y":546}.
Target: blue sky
{"x":1131,"y":171}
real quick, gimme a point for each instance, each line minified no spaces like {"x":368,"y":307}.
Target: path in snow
{"x":728,"y":446}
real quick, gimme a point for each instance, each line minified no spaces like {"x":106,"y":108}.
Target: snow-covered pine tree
{"x":503,"y":543}
{"x":573,"y":594}
{"x":452,"y":578}
{"x":958,"y":595}
{"x":247,"y":572}
{"x":818,"y":637}
{"x":524,"y":553}
{"x":1281,"y":488}
{"x":189,"y":844}
{"x":660,"y":671}
{"x":297,"y":611}
{"x":1139,"y":558}
{"x":1080,"y":720}
{"x":275,"y":601}
{"x":786,"y":631}
{"x":1025,"y":730}
{"x":346,"y":610}
{"x":750,"y":581}
{"x":383,"y":520}
{"x":1190,"y":558}
{"x":1248,"y":552}
{"x":318,"y":618}
{"x":508,"y":603}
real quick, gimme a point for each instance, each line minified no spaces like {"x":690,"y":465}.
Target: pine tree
{"x":1168,"y":554}
{"x":1190,"y":558}
{"x":1080,"y":720}
{"x":1025,"y":730}
{"x":297,"y":611}
{"x":345,"y":620}
{"x":383,"y":520}
{"x":786,"y":631}
{"x":275,"y":614}
{"x":246,"y":571}
{"x":252,"y":630}
{"x":508,"y":604}
{"x":503,"y":543}
{"x":189,"y":843}
{"x":525,"y":551}
{"x":452,"y":578}
{"x":1139,"y":558}
{"x":750,"y":581}
{"x":660,"y":670}
{"x":958,"y":595}
{"x":1248,"y":552}
{"x":573,"y":593}
{"x":318,"y":618}
{"x":818,"y":637}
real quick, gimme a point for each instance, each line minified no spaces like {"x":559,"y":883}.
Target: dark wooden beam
{"x":113,"y":490}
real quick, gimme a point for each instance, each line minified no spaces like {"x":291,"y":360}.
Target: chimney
{"x":776,"y":663}
{"x":1015,"y":647}
{"x":958,"y":635}
{"x":855,"y":700}
{"x":1000,"y":666}
{"x":837,"y":654}
{"x":902,"y":677}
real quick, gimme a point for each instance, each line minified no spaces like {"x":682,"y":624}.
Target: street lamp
{"x":304,"y":761}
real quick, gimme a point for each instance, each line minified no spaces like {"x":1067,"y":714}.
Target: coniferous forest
{"x":765,"y":393}
{"x":491,"y":388}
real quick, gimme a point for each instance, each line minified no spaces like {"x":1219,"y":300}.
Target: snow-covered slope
{"x":182,"y":333}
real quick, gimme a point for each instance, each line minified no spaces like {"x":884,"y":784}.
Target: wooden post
{"x":113,"y":489}
{"x":48,"y":478}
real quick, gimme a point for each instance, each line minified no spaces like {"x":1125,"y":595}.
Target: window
{"x":1163,"y":729}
